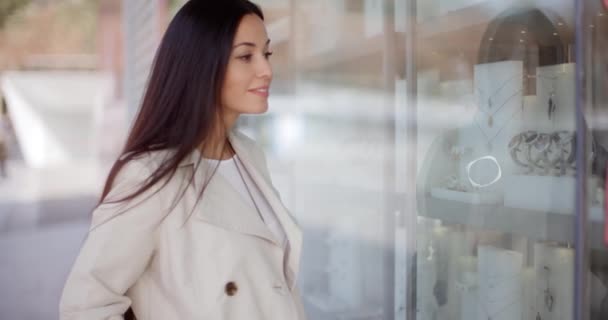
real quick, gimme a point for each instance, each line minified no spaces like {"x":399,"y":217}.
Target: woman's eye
{"x":268,"y":55}
{"x":246,"y":57}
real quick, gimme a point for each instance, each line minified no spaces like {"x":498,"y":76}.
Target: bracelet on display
{"x":545,"y":152}
{"x":555,"y":154}
{"x":541,"y":148}
{"x":516,"y":144}
{"x":474,"y":183}
{"x":565,"y":143}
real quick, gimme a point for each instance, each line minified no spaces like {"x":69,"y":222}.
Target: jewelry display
{"x":544,"y":153}
{"x":476,"y":184}
{"x":457,"y":153}
{"x":548,"y":296}
{"x":500,"y":285}
{"x":541,"y":142}
{"x":554,"y":268}
{"x":491,"y":115}
{"x":537,"y":153}
{"x":551,"y":102}
{"x":451,"y":182}
{"x":489,"y":140}
{"x":518,"y":144}
{"x":565,"y":143}
{"x":497,"y":91}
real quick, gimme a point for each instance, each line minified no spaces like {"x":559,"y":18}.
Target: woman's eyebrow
{"x":250,"y":44}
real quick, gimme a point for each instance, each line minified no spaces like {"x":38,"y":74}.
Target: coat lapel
{"x":224,"y":207}
{"x":219,"y":207}
{"x":292,"y":230}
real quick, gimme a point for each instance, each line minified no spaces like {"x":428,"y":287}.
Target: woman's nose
{"x":264,"y":69}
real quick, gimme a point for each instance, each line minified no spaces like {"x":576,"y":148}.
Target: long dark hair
{"x":181,"y":107}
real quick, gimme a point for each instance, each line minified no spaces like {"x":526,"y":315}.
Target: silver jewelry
{"x":483,"y":185}
{"x":516,"y":146}
{"x":491,"y":115}
{"x":247,"y":187}
{"x":540,"y":157}
{"x":488,"y":139}
{"x":552,"y":101}
{"x":547,"y":152}
{"x":563,"y":142}
{"x":453,"y":183}
{"x":548,"y":298}
{"x":548,"y":295}
{"x":504,"y":84}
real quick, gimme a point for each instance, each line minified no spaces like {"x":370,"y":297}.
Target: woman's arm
{"x":117,"y":250}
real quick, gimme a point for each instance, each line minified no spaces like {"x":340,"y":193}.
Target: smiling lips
{"x":261,"y":91}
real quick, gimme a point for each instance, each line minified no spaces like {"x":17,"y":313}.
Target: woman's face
{"x":248,"y":74}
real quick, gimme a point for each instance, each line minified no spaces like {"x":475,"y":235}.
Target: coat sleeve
{"x":117,"y":250}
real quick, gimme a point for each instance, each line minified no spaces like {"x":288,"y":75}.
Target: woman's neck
{"x":218,"y":149}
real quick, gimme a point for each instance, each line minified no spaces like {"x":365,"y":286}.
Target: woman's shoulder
{"x":137,"y":170}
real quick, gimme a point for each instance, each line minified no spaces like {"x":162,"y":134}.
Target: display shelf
{"x":537,"y":225}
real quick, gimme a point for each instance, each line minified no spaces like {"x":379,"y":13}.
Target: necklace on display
{"x":497,"y":91}
{"x":552,"y":101}
{"x":491,"y":115}
{"x":488,"y":139}
{"x":548,"y":296}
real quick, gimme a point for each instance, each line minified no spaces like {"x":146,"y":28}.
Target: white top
{"x":228,"y":170}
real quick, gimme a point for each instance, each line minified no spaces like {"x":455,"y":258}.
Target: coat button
{"x":231,"y":288}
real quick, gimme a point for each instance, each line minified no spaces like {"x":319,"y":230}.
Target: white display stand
{"x":426,"y":278}
{"x":528,"y":284}
{"x":469,"y":296}
{"x":557,"y":196}
{"x":499,"y":105}
{"x":467,"y":197}
{"x":554,"y":267}
{"x":460,"y":247}
{"x":500,"y":290}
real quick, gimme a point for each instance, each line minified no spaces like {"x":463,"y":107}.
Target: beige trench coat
{"x":222,"y":262}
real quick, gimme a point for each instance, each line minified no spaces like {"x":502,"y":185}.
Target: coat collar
{"x":219,"y":207}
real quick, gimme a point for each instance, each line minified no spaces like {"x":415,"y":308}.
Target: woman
{"x":189,"y":225}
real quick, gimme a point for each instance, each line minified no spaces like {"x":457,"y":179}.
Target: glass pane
{"x":596,"y":73}
{"x":328,"y":141}
{"x":496,"y":166}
